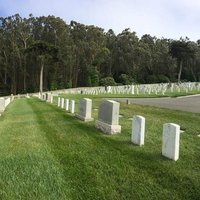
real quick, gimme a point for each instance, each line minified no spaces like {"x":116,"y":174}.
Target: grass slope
{"x":45,"y":153}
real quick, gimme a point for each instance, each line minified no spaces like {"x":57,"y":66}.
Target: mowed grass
{"x":46,"y":153}
{"x":168,"y":93}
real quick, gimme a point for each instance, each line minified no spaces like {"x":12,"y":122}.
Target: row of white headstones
{"x":147,"y":89}
{"x":108,"y":122}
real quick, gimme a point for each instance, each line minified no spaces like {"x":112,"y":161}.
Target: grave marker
{"x":58,"y":102}
{"x":66,"y":104}
{"x":171,"y":138}
{"x":62,"y":103}
{"x":108,"y":117}
{"x":138,"y":130}
{"x":72,"y":106}
{"x":85,"y":110}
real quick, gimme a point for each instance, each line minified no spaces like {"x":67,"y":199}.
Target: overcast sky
{"x":161,"y":18}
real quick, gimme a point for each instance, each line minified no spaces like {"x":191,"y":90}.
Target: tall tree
{"x":44,"y":52}
{"x":181,"y":50}
{"x":125,"y":53}
{"x":86,"y":54}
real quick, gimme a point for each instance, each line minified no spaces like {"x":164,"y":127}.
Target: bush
{"x":92,"y":76}
{"x":69,"y":84}
{"x":152,"y":79}
{"x":126,"y":79}
{"x":32,"y":88}
{"x":157,"y":79}
{"x":163,"y":79}
{"x":107,"y":81}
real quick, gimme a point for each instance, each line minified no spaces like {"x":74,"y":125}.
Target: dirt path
{"x":189,"y":103}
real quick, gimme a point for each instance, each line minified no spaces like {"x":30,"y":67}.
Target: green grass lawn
{"x":46,"y":153}
{"x":152,"y":95}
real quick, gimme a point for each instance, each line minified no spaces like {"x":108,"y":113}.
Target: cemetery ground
{"x":46,"y":153}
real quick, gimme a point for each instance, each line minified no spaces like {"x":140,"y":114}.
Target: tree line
{"x":46,"y":53}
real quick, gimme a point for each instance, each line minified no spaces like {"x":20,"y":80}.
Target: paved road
{"x":189,"y":103}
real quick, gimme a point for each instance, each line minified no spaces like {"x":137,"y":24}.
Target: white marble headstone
{"x":67,"y":104}
{"x":72,"y":106}
{"x":138,"y":130}
{"x":62,"y":103}
{"x":59,"y":102}
{"x":170,"y":141}
{"x":85,"y":109}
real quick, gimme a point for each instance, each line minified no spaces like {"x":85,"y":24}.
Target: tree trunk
{"x":5,"y":76}
{"x":180,"y":70}
{"x":192,"y":71}
{"x":75,"y":78}
{"x":6,"y":64}
{"x":41,"y":77}
{"x":24,"y":81}
{"x":14,"y":83}
{"x":24,"y":78}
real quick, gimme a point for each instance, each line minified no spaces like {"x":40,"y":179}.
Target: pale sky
{"x":161,"y":18}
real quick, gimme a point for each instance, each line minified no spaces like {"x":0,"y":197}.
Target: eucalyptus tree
{"x":144,"y":57}
{"x":181,"y":51}
{"x":106,"y":68}
{"x":44,"y":52}
{"x":192,"y":70}
{"x":125,"y":53}
{"x":24,"y":35}
{"x":57,"y":33}
{"x":89,"y":43}
{"x":78,"y":35}
{"x":96,"y":53}
{"x":11,"y":51}
{"x":3,"y":55}
{"x":163,"y":63}
{"x":48,"y":52}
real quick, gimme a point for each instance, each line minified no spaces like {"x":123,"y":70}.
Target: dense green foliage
{"x":46,"y":153}
{"x":107,"y":81}
{"x":87,"y":54}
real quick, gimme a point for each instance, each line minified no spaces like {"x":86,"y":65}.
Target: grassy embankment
{"x":45,"y":153}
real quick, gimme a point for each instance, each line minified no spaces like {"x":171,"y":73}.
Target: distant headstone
{"x":51,"y":98}
{"x":172,"y":88}
{"x":66,"y":104}
{"x":85,"y":110}
{"x":108,"y":117}
{"x":72,"y":106}
{"x":138,"y":130}
{"x":132,"y":89}
{"x":137,"y":91}
{"x":170,"y":143}
{"x":58,"y":102}
{"x":62,"y":103}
